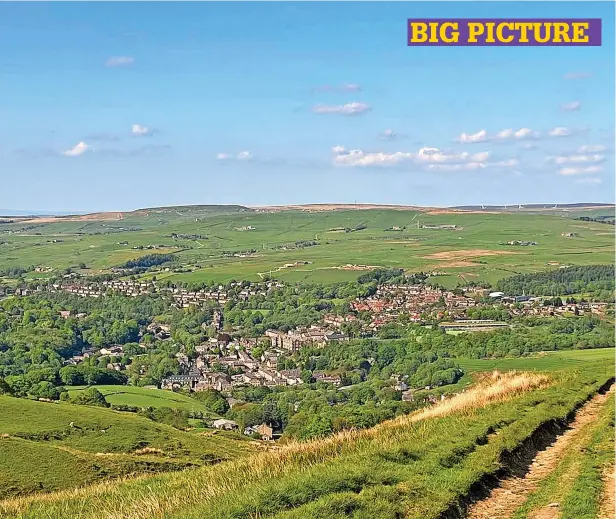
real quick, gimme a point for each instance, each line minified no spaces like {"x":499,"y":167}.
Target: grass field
{"x":416,"y":466}
{"x":474,"y":252}
{"x":546,"y":361}
{"x":145,"y":397}
{"x":40,"y":451}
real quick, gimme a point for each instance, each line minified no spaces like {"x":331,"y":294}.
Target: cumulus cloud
{"x":430,"y":158}
{"x":242,"y":156}
{"x":571,"y":107}
{"x":587,"y":170}
{"x":79,"y":149}
{"x":503,"y":135}
{"x":354,"y":108}
{"x":560,"y":131}
{"x":139,"y":130}
{"x":522,"y":133}
{"x":578,"y":159}
{"x":509,"y":134}
{"x":119,"y":61}
{"x":592,"y":148}
{"x":577,"y":75}
{"x":480,"y":136}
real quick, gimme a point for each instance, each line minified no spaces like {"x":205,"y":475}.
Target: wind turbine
{"x":483,"y":206}
{"x":520,"y":207}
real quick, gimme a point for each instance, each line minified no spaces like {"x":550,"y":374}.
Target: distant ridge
{"x":191,"y":211}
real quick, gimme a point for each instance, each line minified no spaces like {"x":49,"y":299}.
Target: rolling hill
{"x":52,"y":446}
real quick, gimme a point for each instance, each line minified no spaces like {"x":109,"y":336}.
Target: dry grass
{"x":148,"y":450}
{"x":160,"y":495}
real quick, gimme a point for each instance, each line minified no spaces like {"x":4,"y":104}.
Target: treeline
{"x":565,"y":281}
{"x":393,"y":276}
{"x":597,"y":219}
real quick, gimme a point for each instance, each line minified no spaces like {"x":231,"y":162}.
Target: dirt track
{"x":504,"y":500}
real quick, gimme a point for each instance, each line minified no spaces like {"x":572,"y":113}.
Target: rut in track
{"x":505,"y":499}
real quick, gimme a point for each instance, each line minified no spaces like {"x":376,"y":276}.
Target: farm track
{"x":512,"y":492}
{"x":608,"y":507}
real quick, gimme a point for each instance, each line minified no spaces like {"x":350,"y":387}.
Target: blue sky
{"x":115,"y":106}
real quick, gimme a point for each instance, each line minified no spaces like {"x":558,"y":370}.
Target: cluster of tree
{"x":609,"y":219}
{"x":595,"y":279}
{"x":149,"y":260}
{"x":15,"y":272}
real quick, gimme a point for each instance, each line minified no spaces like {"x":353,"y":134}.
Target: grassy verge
{"x":415,"y":466}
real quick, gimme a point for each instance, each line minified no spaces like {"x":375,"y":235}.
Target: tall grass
{"x":153,"y":497}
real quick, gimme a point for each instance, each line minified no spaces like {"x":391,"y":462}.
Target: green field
{"x":145,"y":397}
{"x":40,"y":451}
{"x":546,"y":361}
{"x":475,"y":252}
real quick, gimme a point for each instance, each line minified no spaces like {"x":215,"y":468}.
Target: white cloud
{"x":119,"y":61}
{"x":560,"y":131}
{"x":578,"y":159}
{"x":591,"y":180}
{"x":577,"y":75}
{"x":588,"y":170}
{"x":344,"y":157}
{"x":241,"y":156}
{"x":480,"y":136}
{"x":354,"y":108}
{"x":141,"y":131}
{"x":521,"y":134}
{"x":503,"y":135}
{"x":592,"y":148}
{"x":571,"y":107}
{"x":79,"y":149}
{"x":432,"y":158}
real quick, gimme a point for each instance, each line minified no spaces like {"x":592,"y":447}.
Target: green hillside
{"x":416,"y":466}
{"x":325,"y":241}
{"x":40,"y":451}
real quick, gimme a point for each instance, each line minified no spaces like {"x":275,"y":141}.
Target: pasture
{"x":41,"y":451}
{"x":270,"y":241}
{"x":145,"y":397}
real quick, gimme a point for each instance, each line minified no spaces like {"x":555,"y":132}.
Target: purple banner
{"x":495,"y":32}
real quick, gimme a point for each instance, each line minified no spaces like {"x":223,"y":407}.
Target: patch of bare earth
{"x":608,"y":506}
{"x":505,"y":499}
{"x":466,"y":254}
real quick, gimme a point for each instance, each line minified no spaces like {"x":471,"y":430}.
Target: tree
{"x":45,"y":390}
{"x":91,"y":396}
{"x":5,"y":389}
{"x":213,"y":400}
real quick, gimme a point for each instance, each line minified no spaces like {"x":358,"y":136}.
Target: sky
{"x":118,"y":106}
